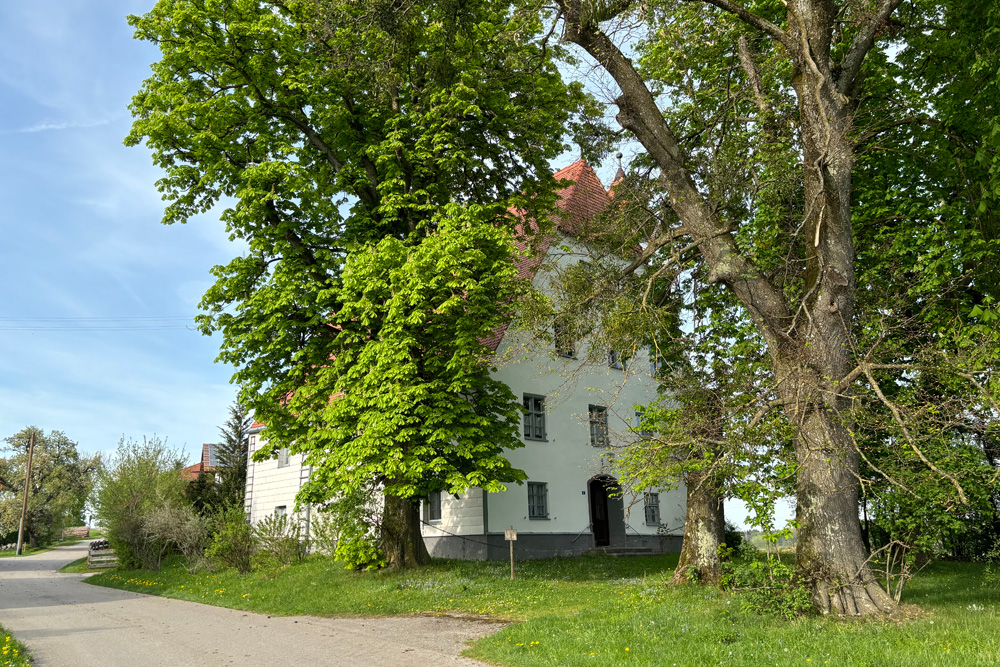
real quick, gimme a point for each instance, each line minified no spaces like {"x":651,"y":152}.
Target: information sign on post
{"x":510,"y":535}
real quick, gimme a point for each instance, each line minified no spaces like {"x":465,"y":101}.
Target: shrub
{"x":356,"y":524}
{"x":764,"y":584}
{"x":324,"y":533}
{"x":139,"y":479}
{"x":276,"y":540}
{"x":183,"y":528}
{"x":733,"y":537}
{"x":232,"y":542}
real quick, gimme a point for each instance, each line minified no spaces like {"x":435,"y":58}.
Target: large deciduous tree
{"x":345,"y":138}
{"x":61,"y":479}
{"x":756,"y":117}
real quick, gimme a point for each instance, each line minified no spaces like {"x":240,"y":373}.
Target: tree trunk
{"x":401,"y":538}
{"x":704,"y":531}
{"x":831,"y":554}
{"x":809,"y":336}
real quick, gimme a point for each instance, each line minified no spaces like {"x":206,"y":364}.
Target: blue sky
{"x":83,"y":241}
{"x":96,"y":334}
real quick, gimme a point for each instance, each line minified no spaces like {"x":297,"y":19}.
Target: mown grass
{"x":12,"y":652}
{"x":612,"y":611}
{"x":79,"y":566}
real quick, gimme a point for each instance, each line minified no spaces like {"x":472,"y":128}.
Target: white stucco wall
{"x":269,"y":486}
{"x":565,"y":461}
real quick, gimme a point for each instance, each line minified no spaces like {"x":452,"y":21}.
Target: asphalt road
{"x":68,"y":623}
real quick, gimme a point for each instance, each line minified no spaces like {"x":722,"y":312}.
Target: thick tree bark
{"x":704,"y":531}
{"x":808,"y":337}
{"x":401,"y":538}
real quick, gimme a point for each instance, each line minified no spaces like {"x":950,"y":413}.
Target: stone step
{"x":621,"y":551}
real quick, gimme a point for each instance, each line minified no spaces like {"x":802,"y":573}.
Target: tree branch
{"x":755,"y":21}
{"x":862,"y":44}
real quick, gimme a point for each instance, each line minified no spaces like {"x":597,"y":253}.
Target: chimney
{"x":206,"y":455}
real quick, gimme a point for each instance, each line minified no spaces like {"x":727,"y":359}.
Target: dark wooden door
{"x":599,"y":513}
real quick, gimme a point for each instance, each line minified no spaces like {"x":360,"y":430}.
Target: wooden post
{"x":24,"y":504}
{"x":511,"y":535}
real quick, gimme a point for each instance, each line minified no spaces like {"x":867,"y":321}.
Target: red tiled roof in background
{"x":204,"y":465}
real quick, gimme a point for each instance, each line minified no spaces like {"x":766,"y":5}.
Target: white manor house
{"x":574,"y":410}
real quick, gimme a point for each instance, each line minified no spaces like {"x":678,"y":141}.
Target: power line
{"x":113,"y":323}
{"x":105,"y":328}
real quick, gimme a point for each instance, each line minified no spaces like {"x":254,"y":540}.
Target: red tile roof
{"x":578,"y":203}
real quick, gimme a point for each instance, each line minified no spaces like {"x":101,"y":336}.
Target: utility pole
{"x":24,"y":505}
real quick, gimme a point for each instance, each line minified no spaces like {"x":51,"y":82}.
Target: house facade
{"x":576,"y":412}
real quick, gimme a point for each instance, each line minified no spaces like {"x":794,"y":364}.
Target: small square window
{"x":565,"y":345}
{"x":283,"y":457}
{"x":280,"y":511}
{"x":598,"y":426}
{"x":538,"y":500}
{"x":652,"y":505}
{"x":534,"y":417}
{"x":432,"y":508}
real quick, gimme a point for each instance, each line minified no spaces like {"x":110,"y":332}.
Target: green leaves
{"x":415,"y":407}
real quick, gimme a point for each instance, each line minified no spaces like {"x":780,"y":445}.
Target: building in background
{"x":575,"y":412}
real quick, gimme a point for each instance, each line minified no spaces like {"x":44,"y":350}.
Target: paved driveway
{"x":68,"y":623}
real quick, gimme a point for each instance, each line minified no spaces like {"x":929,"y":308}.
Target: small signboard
{"x":510,"y":535}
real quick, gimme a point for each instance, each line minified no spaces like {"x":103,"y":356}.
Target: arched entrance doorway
{"x":607,"y":513}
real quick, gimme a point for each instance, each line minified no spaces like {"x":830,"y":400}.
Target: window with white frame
{"x":538,"y":500}
{"x":280,"y":511}
{"x":652,"y":506}
{"x":432,"y":508}
{"x":283,"y":457}
{"x":598,"y":426}
{"x":534,"y":417}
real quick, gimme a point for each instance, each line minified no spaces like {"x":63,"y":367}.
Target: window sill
{"x":535,"y":439}
{"x":538,"y":518}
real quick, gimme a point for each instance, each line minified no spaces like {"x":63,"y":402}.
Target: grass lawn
{"x":12,"y":652}
{"x":611,"y":611}
{"x":79,"y":566}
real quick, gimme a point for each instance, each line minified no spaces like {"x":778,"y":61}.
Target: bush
{"x":323,"y":538}
{"x":232,"y":542}
{"x":733,"y":537}
{"x":765,"y":584}
{"x":355,"y":523}
{"x":276,"y":540}
{"x":138,"y":480}
{"x":183,"y":528}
